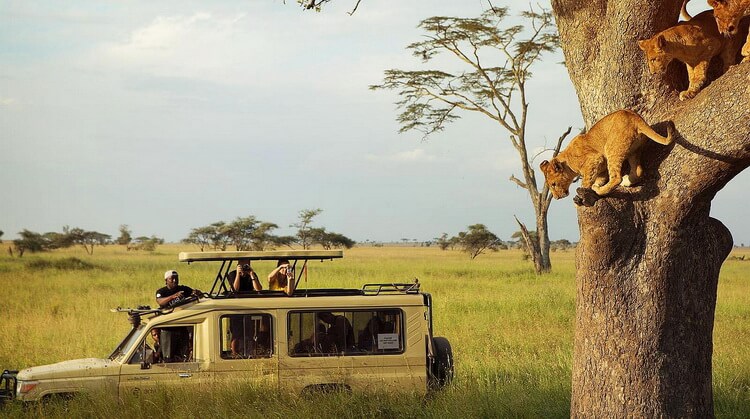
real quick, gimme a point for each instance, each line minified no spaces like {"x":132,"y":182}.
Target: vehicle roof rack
{"x":265,"y":255}
{"x":394,"y":288}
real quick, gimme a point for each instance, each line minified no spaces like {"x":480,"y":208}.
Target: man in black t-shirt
{"x":173,"y":293}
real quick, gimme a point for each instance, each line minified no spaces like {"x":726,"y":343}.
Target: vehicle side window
{"x":166,"y":345}
{"x":246,"y":336}
{"x":351,"y":332}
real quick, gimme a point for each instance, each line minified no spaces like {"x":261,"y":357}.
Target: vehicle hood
{"x":87,"y":367}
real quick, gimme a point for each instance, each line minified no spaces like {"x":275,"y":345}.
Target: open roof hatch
{"x":222,"y":287}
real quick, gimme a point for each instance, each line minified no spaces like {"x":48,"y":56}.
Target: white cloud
{"x":165,"y":33}
{"x":200,"y":46}
{"x":7,"y":101}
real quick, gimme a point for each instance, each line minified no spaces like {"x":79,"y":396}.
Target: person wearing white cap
{"x":173,"y":293}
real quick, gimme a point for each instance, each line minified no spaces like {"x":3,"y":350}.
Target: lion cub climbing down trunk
{"x":600,"y":153}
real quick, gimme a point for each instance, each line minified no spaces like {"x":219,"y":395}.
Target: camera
{"x":245,"y":267}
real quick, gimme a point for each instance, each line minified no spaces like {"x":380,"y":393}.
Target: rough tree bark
{"x":649,"y":257}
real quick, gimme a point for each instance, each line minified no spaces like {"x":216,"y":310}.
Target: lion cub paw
{"x":585,"y":197}
{"x":688,"y":94}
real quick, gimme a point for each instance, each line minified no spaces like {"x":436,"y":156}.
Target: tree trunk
{"x":649,"y":256}
{"x":534,"y":249}
{"x":542,"y":235}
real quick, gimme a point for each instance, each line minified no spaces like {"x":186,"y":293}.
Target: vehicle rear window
{"x":350,"y":332}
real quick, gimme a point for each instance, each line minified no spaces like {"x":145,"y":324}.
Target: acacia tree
{"x":126,"y":236}
{"x":498,"y":65}
{"x":477,"y":240}
{"x":261,"y":237}
{"x":201,"y":236}
{"x":31,"y":241}
{"x":328,"y":239}
{"x":649,"y":257}
{"x":303,"y":226}
{"x":87,"y":239}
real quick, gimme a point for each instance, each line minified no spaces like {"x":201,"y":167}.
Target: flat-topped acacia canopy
{"x":265,"y":255}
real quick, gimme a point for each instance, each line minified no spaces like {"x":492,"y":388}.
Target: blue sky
{"x":175,"y":115}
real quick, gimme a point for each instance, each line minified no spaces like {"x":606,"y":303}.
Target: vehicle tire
{"x":441,"y":370}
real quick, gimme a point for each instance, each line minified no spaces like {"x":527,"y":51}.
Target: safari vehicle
{"x":379,"y":336}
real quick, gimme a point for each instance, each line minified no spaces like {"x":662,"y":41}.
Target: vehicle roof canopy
{"x":265,"y":255}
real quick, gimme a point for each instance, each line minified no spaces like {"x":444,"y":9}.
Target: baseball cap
{"x":168,"y":274}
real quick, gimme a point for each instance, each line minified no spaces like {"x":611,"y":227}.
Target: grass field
{"x":511,"y":331}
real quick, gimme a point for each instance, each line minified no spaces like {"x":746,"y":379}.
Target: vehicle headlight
{"x":26,"y":386}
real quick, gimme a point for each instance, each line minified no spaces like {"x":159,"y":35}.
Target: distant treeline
{"x":249,"y":233}
{"x":41,"y":242}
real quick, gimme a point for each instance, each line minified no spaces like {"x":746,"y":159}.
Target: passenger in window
{"x":313,"y":343}
{"x":260,"y":345}
{"x":177,"y":344}
{"x":242,"y":329}
{"x":173,"y":293}
{"x":156,"y":356}
{"x":250,"y":336}
{"x":368,"y":337}
{"x":282,"y":278}
{"x":340,"y":334}
{"x":247,"y":280}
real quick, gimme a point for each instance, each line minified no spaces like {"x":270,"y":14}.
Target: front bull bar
{"x":8,"y":384}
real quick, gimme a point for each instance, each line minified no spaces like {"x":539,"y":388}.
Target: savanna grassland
{"x":511,"y":331}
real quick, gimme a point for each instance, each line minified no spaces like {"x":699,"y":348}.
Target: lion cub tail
{"x":649,"y":132}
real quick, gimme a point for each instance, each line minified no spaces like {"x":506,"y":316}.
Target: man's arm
{"x":256,"y":282}
{"x":163,"y":301}
{"x":236,"y":281}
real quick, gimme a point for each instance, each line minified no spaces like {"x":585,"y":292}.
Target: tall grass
{"x":511,"y":331}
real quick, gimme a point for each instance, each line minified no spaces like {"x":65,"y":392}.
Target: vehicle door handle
{"x":184,"y":375}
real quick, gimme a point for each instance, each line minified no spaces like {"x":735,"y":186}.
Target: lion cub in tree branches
{"x":728,"y":14}
{"x":693,"y":42}
{"x":601,"y":152}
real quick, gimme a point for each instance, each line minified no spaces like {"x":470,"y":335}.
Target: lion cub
{"x":693,"y":42}
{"x":728,"y":14}
{"x":601,"y":152}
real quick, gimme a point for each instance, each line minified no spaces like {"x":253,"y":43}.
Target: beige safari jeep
{"x":379,"y":336}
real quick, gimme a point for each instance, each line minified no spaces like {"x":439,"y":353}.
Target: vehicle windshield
{"x":127,"y":343}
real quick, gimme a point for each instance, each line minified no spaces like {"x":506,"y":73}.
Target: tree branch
{"x":515,"y":180}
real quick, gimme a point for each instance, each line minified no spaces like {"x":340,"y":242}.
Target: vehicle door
{"x":319,"y":345}
{"x":167,"y":355}
{"x":247,"y":348}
